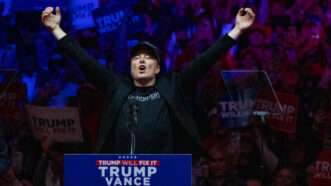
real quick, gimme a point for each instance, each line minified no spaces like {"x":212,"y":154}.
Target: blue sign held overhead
{"x":138,"y":170}
{"x":109,"y":19}
{"x":234,"y":112}
{"x":81,"y":13}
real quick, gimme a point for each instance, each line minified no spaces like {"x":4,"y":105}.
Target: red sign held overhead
{"x":283,"y":119}
{"x":321,"y":174}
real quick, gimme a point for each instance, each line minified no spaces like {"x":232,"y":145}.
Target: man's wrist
{"x":58,"y":33}
{"x":235,"y":33}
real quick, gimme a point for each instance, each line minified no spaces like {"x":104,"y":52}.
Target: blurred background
{"x":290,"y":41}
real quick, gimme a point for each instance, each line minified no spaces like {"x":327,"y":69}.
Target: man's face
{"x":284,"y":178}
{"x":144,"y":68}
{"x":218,"y":165}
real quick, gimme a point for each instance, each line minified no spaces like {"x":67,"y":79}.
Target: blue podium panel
{"x":125,"y":170}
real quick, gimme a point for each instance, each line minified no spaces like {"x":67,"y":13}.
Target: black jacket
{"x":172,"y":87}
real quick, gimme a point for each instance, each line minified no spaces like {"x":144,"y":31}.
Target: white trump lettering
{"x":127,"y":175}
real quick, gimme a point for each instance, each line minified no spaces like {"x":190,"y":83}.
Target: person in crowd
{"x":285,"y":176}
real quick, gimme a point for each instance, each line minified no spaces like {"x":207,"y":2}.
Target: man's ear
{"x":158,"y":68}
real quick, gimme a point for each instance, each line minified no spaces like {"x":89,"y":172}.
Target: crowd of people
{"x":290,"y":41}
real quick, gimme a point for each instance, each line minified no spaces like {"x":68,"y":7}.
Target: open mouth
{"x":142,"y":67}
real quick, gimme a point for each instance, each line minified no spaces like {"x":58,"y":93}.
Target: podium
{"x":127,"y":169}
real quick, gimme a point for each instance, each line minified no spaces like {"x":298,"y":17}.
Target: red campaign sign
{"x":12,"y":98}
{"x":321,"y":174}
{"x":282,"y":120}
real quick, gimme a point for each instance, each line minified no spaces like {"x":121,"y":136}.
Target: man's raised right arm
{"x":93,"y":71}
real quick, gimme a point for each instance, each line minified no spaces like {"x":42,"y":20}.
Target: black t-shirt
{"x":153,"y":131}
